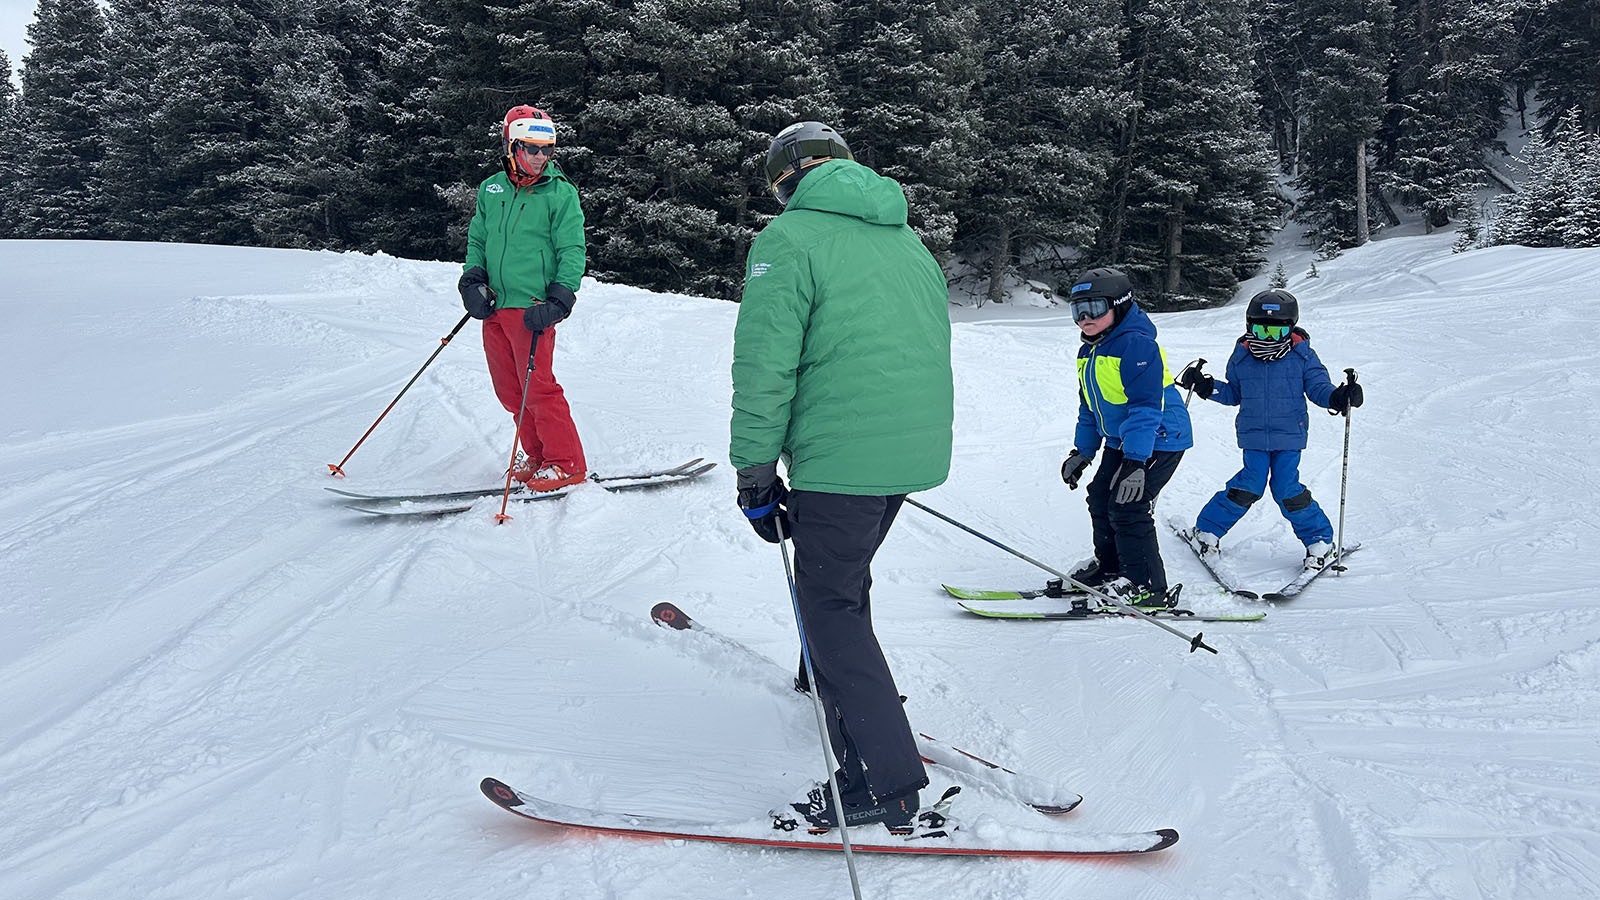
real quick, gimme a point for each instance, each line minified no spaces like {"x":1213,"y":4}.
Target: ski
{"x":769,"y":832}
{"x":517,"y":490}
{"x":1038,"y":793}
{"x":413,"y":508}
{"x":1052,"y":588}
{"x":1213,"y":563}
{"x":1306,"y":576}
{"x":1079,"y":608}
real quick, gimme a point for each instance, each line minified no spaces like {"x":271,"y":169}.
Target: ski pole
{"x":337,"y":469}
{"x":1344,"y":476}
{"x":1195,"y":642}
{"x":1199,"y":365}
{"x":502,"y":516}
{"x":816,"y":704}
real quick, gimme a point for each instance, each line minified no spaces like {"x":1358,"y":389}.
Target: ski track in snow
{"x":218,"y":682}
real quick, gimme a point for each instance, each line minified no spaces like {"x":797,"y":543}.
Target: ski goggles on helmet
{"x":1269,"y":332}
{"x":1089,"y":307}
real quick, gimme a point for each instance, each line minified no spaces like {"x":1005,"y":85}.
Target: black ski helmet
{"x":1102,"y":283}
{"x":1273,"y":307}
{"x":798,"y":148}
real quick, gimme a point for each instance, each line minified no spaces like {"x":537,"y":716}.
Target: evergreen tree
{"x":1528,"y":217}
{"x":458,"y":87}
{"x":1193,"y":196}
{"x":1449,"y":87}
{"x":213,"y":109}
{"x":131,"y":174}
{"x":1347,"y":47}
{"x":62,"y":110}
{"x":10,"y":148}
{"x":1579,"y":226}
{"x":1277,"y":35}
{"x":307,"y":190}
{"x":405,"y":166}
{"x":1561,"y":56}
{"x":676,"y":130}
{"x":1039,"y":162}
{"x":907,"y":70}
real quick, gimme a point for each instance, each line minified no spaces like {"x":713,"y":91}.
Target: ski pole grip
{"x":533,"y":350}
{"x":1349,"y":376}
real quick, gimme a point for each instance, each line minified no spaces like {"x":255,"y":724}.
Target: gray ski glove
{"x":1129,"y":484}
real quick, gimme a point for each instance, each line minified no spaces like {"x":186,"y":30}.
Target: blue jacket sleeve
{"x":1086,"y":437}
{"x":1225,"y":392}
{"x":1318,"y":387}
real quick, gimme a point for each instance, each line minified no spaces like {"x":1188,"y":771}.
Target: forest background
{"x":1171,"y":138}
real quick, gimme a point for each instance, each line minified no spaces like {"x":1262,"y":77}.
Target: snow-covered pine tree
{"x":1193,"y":197}
{"x":1278,"y":39}
{"x":906,"y":71}
{"x":665,"y":192}
{"x":209,"y":125}
{"x":1448,"y":93}
{"x":61,"y":113}
{"x":1528,"y":217}
{"x":318,"y":60}
{"x":1561,"y":56}
{"x":1580,"y":148}
{"x":10,"y":147}
{"x":1049,"y":85}
{"x":1346,"y":52}
{"x":132,"y":174}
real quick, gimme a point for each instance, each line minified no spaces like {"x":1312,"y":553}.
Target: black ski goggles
{"x":1090,"y":307}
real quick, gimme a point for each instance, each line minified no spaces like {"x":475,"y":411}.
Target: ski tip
{"x":665,"y":613}
{"x":1247,"y":595}
{"x":1057,"y":809}
{"x":500,"y":793}
{"x":1167,"y":837}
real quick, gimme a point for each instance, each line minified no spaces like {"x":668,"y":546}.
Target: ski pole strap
{"x":761,"y":512}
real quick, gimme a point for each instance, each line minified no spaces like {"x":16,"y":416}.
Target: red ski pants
{"x":547,"y":434}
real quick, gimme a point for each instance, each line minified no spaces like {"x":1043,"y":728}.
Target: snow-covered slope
{"x":214,"y":682}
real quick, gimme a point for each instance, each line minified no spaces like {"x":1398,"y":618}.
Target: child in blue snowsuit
{"x":1271,"y":375}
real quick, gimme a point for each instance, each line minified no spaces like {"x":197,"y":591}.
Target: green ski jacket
{"x":526,"y":238}
{"x":841,"y":360}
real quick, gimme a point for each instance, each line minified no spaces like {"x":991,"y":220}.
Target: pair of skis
{"x":1229,"y":581}
{"x":452,"y":502}
{"x":945,"y":840}
{"x":1059,"y":602}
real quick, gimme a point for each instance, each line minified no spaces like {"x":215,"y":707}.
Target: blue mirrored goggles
{"x":1269,"y":332}
{"x":1090,"y":307}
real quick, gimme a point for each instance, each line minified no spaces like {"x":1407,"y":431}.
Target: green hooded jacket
{"x":841,"y":356}
{"x":526,"y":238}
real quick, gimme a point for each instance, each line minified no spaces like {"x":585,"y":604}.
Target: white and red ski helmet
{"x":527,"y":123}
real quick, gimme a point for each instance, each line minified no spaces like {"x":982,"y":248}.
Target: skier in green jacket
{"x":525,"y":256}
{"x":841,"y":368}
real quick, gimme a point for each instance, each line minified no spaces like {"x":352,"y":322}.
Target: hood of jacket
{"x":848,"y":188}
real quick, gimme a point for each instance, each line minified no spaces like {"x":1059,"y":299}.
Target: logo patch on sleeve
{"x":759,"y":269}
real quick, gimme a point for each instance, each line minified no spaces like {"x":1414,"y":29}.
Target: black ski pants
{"x":1125,"y":533}
{"x":835,"y":537}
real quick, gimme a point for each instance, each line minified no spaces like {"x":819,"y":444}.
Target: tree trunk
{"x":1363,"y":231}
{"x":1174,"y":247}
{"x":999,"y":262}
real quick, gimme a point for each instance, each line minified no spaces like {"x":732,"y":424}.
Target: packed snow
{"x":217,"y":682}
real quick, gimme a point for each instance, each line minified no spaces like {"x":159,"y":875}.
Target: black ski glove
{"x":1128,"y":485}
{"x":1199,"y":382}
{"x":556,"y":306}
{"x":1072,"y":468}
{"x":1344,"y":397}
{"x":761,"y":496}
{"x":475,"y":293}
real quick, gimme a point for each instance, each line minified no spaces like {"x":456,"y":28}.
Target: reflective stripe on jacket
{"x":1126,"y":394}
